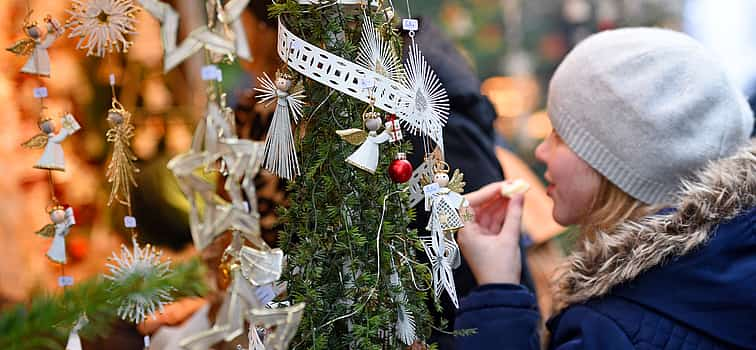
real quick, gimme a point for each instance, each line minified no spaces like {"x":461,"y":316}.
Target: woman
{"x":650,"y":156}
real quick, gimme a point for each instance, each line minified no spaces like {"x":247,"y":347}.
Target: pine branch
{"x":47,"y":320}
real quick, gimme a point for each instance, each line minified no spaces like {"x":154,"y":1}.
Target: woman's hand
{"x":490,"y":241}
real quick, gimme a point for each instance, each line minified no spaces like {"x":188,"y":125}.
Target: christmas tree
{"x":350,"y":253}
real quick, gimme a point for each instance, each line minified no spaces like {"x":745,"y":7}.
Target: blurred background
{"x":513,"y":46}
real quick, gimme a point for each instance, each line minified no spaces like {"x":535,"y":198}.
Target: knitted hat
{"x":646,"y":108}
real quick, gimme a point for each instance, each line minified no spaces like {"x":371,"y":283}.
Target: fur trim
{"x":719,"y":192}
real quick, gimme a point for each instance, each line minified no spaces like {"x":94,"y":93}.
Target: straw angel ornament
{"x":35,"y":45}
{"x":62,"y":219}
{"x":444,"y":200}
{"x":52,"y":158}
{"x":366,"y":156}
{"x":280,"y":155}
{"x":121,"y":169}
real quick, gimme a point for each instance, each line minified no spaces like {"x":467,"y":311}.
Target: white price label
{"x":431,"y":189}
{"x":129,"y":221}
{"x":40,"y":92}
{"x":410,"y":24}
{"x":112,"y":79}
{"x":211,"y":72}
{"x":146,"y":341}
{"x":65,"y":281}
{"x":265,"y":294}
{"x":366,"y":83}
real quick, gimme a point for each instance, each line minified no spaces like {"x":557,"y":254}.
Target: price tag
{"x":366,"y":83}
{"x":65,"y":281}
{"x":265,"y":294}
{"x":129,"y":221}
{"x":210,"y":72}
{"x":146,"y":341}
{"x":410,"y":24}
{"x":112,"y":79}
{"x":431,"y":189}
{"x":40,"y":92}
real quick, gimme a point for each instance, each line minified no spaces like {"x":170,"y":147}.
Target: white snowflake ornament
{"x":141,"y":262}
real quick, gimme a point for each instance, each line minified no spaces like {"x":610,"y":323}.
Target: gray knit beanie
{"x":646,"y":108}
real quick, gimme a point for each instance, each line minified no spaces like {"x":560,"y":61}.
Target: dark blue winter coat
{"x":679,"y":279}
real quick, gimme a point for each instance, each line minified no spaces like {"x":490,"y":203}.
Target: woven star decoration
{"x":102,"y":25}
{"x":225,"y":37}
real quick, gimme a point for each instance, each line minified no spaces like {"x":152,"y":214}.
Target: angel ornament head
{"x":62,"y":219}
{"x":35,"y":45}
{"x":52,"y":157}
{"x":280,"y":154}
{"x":367,"y":155}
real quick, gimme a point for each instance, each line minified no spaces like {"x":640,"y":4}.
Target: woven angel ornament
{"x":52,"y":158}
{"x":35,"y":45}
{"x":62,"y":219}
{"x":121,"y":169}
{"x":280,"y":154}
{"x":367,"y":155}
{"x":444,"y":200}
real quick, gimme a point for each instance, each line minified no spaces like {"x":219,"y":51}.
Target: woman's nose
{"x":540,"y":151}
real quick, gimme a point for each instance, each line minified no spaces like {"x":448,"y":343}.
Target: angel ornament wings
{"x":62,"y":219}
{"x":366,"y":156}
{"x":52,"y":157}
{"x":444,"y":200}
{"x":280,"y":155}
{"x":36,"y":44}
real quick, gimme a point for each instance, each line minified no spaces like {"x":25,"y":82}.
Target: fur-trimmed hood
{"x":696,"y":261}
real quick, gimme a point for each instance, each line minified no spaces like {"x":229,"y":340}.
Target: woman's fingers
{"x":484,"y":194}
{"x":512,"y":222}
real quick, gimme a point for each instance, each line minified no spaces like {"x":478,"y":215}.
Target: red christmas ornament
{"x":400,"y":169}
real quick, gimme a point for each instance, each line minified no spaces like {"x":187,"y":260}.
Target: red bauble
{"x":400,"y":169}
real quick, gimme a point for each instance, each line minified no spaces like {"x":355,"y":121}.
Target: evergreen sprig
{"x":46,"y":321}
{"x":330,"y":229}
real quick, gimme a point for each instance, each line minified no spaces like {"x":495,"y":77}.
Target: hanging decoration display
{"x":280,"y":155}
{"x":35,"y":45}
{"x":102,"y":26}
{"x":213,"y":36}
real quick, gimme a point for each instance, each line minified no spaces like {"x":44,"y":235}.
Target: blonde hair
{"x":610,"y":207}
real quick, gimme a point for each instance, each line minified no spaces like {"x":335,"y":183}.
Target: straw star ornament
{"x":223,"y":34}
{"x":102,"y":26}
